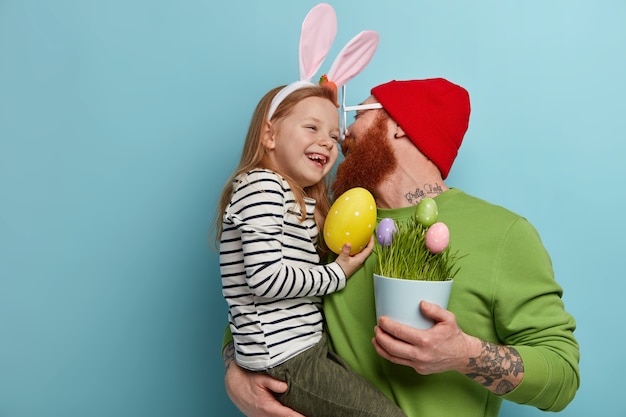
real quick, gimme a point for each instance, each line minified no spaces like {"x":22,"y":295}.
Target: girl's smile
{"x":303,"y":145}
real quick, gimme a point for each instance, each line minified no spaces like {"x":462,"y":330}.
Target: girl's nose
{"x":327,"y":142}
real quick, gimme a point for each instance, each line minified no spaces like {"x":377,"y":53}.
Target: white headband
{"x":316,"y":38}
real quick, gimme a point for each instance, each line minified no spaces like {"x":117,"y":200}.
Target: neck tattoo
{"x":428,"y":190}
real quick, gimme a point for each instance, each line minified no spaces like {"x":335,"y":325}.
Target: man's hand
{"x":442,"y":348}
{"x":253,"y":392}
{"x":445,"y":347}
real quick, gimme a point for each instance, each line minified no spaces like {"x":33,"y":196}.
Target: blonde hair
{"x":253,"y":153}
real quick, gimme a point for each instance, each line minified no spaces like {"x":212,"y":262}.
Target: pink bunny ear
{"x":318,"y":33}
{"x":316,"y":38}
{"x":353,"y":57}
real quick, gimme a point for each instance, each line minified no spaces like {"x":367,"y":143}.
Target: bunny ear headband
{"x":318,"y":32}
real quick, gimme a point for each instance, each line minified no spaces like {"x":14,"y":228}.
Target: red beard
{"x":368,"y":161}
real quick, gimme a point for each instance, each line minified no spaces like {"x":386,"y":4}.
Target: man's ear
{"x":267,"y":136}
{"x":398,"y":132}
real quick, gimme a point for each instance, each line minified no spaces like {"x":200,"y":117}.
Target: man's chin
{"x":350,"y":176}
{"x":366,"y":166}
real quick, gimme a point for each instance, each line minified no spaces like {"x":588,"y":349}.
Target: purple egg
{"x":385,"y":230}
{"x":437,"y":237}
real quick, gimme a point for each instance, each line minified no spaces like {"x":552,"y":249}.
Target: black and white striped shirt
{"x":271,"y":277}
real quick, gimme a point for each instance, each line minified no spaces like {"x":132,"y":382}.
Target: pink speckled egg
{"x":437,"y":237}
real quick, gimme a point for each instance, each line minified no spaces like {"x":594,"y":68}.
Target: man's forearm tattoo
{"x":228,"y":355}
{"x":429,"y":190}
{"x":495,"y":367}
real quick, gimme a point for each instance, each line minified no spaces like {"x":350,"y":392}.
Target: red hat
{"x":434,"y":113}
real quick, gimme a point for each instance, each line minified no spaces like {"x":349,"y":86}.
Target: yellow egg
{"x":351,"y":219}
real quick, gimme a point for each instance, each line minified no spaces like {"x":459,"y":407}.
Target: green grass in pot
{"x":405,"y":251}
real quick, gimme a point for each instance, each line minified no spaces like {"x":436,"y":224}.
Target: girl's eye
{"x":314,"y":128}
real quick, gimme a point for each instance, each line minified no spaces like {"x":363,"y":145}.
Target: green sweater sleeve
{"x":532,"y":319}
{"x":227,"y":338}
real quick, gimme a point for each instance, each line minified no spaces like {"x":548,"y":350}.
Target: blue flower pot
{"x":399,"y":299}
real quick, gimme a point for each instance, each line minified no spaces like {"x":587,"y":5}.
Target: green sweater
{"x":504,"y":293}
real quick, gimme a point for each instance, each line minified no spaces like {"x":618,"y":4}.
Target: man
{"x":505,"y":335}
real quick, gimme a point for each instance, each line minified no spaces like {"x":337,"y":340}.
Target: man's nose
{"x":346,"y":134}
{"x":345,"y":144}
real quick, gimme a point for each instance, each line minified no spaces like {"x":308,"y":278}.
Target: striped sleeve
{"x":279,"y":257}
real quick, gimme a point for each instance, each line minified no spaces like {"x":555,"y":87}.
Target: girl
{"x":272,"y":211}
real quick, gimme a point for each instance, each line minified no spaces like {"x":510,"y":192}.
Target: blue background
{"x":121,"y":120}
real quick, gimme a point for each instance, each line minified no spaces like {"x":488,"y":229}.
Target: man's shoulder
{"x":464,"y":204}
{"x":482,"y":219}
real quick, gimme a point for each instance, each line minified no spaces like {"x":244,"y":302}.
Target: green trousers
{"x":322,"y":385}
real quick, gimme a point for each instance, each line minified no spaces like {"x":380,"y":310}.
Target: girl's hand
{"x":350,"y":264}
